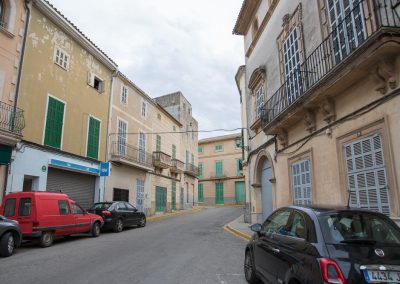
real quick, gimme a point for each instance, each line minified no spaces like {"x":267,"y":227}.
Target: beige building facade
{"x":321,"y":104}
{"x":65,"y":93}
{"x":221,"y":180}
{"x":13,"y":20}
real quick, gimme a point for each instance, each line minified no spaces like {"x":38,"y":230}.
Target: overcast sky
{"x":165,"y":46}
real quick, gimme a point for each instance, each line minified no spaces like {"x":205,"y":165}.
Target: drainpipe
{"x":113,"y":75}
{"x":28,"y":16}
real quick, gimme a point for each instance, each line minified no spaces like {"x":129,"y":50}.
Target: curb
{"x":174,"y":214}
{"x":237,"y":233}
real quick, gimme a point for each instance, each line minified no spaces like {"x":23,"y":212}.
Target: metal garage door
{"x":79,"y":187}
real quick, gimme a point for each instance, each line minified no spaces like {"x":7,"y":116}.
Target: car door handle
{"x":275,"y":250}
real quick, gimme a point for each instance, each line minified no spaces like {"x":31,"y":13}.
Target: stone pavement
{"x":240,"y":228}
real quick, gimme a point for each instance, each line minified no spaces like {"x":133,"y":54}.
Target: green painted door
{"x":173,"y":196}
{"x":239,"y":192}
{"x":200,"y":193}
{"x":161,"y":199}
{"x":219,"y":193}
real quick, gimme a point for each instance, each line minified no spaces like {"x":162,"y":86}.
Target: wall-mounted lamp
{"x":240,"y":143}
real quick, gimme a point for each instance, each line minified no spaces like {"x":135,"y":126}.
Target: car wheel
{"x":46,"y":239}
{"x":118,"y":226}
{"x":95,"y":232}
{"x":142,"y":222}
{"x":249,"y":269}
{"x":7,"y":244}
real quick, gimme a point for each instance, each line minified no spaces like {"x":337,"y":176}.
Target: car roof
{"x":329,"y":209}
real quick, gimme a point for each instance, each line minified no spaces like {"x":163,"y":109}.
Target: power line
{"x":187,"y":131}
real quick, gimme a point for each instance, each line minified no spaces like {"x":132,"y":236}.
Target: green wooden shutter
{"x":173,"y":196}
{"x":173,"y":152}
{"x":200,"y":193}
{"x":54,"y":123}
{"x":219,"y":193}
{"x":158,"y":143}
{"x":218,"y":168}
{"x":93,"y":138}
{"x":200,"y":170}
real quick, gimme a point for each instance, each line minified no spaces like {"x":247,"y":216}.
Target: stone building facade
{"x":320,"y":93}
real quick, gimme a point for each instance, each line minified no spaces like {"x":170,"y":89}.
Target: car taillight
{"x":331,"y":272}
{"x":106,"y":213}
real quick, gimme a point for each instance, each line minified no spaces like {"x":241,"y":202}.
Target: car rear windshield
{"x":102,"y":206}
{"x":353,"y":227}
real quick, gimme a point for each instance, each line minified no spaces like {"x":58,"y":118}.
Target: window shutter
{"x":301,"y":179}
{"x":90,"y":79}
{"x":54,"y":123}
{"x":93,"y":138}
{"x":366,"y":174}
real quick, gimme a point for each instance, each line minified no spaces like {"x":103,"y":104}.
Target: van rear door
{"x":25,"y":214}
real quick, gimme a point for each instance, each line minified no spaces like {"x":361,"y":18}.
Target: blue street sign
{"x":104,"y":169}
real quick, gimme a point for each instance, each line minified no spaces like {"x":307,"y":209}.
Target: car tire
{"x":142,"y":222}
{"x":249,"y":268}
{"x":46,"y":239}
{"x":7,"y":244}
{"x":95,"y":232}
{"x":118,"y":226}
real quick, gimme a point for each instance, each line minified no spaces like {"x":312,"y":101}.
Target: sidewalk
{"x":239,"y":228}
{"x":180,"y":212}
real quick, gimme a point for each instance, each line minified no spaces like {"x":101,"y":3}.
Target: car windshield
{"x":102,"y":206}
{"x":362,"y":227}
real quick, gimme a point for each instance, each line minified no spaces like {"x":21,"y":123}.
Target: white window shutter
{"x":90,"y":79}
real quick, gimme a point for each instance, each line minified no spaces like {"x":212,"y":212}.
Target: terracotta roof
{"x":243,"y":20}
{"x":78,"y":30}
{"x":220,"y":138}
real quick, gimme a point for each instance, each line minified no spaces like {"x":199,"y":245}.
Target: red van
{"x":44,"y":215}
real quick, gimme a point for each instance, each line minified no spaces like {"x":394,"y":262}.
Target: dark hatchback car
{"x":324,"y":245}
{"x":10,"y":236}
{"x":118,"y":214}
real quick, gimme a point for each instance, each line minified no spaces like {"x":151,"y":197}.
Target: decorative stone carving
{"x":285,"y":22}
{"x":282,"y":137}
{"x":327,"y":109}
{"x":384,"y":76}
{"x":309,"y":120}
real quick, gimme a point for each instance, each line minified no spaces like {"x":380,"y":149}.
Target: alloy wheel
{"x":10,"y":244}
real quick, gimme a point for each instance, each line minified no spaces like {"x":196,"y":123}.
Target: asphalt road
{"x":189,"y":248}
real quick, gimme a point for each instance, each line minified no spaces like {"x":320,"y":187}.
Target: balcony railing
{"x":365,"y":19}
{"x":191,"y":169}
{"x":11,"y":119}
{"x":161,"y":160}
{"x":177,"y":166}
{"x":123,"y":151}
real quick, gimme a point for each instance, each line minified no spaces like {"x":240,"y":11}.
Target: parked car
{"x":45,"y":215}
{"x":324,"y":245}
{"x":10,"y":236}
{"x":118,"y":214}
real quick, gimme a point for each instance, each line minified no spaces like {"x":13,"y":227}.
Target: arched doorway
{"x":266,"y":189}
{"x":263,"y":187}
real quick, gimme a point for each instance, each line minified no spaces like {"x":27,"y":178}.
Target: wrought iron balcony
{"x":11,"y":119}
{"x":191,"y":170}
{"x":218,"y":175}
{"x":161,"y":160}
{"x":359,"y":26}
{"x":177,"y":166}
{"x":130,"y":155}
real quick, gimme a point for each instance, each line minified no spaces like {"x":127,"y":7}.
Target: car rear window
{"x":24,"y":207}
{"x":9,"y":207}
{"x":102,"y":206}
{"x":350,"y":227}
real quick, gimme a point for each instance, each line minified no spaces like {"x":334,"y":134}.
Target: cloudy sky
{"x":171,"y":45}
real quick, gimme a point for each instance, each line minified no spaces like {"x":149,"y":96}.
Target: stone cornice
{"x":63,"y":23}
{"x":249,"y":8}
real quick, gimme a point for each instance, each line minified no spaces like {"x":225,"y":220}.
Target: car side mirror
{"x":256,"y":228}
{"x":135,"y":210}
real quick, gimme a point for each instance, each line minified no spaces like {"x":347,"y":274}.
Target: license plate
{"x":381,"y":276}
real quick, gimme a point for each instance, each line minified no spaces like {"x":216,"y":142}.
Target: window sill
{"x":6,"y":32}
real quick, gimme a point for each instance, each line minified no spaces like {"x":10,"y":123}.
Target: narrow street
{"x":190,"y":248}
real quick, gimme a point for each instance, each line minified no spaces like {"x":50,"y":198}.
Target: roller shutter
{"x":79,"y":187}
